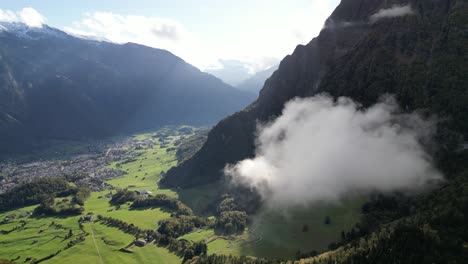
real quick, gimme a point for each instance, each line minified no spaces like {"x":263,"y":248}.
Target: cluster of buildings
{"x":89,"y":169}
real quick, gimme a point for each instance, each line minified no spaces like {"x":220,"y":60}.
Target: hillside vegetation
{"x":421,"y":59}
{"x":57,"y":86}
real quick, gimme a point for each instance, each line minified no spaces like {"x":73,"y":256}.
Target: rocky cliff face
{"x":366,"y":49}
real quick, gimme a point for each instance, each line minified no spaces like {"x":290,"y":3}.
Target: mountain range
{"x":55,"y":85}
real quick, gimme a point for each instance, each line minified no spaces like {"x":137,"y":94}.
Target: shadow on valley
{"x":285,"y":233}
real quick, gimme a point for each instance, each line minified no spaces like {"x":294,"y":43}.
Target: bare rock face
{"x":362,"y":55}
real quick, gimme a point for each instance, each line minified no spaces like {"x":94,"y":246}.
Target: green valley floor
{"x":25,"y":239}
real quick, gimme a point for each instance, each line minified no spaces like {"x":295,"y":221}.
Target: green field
{"x":281,"y":234}
{"x":272,"y":234}
{"x":37,"y":239}
{"x":106,"y":244}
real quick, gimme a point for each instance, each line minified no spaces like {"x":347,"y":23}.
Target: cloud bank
{"x":395,"y":11}
{"x":27,"y":15}
{"x":127,"y":28}
{"x":321,"y":150}
{"x":221,"y":35}
{"x":152,"y":31}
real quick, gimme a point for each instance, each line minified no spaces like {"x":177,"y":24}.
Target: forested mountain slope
{"x":54,"y":85}
{"x":420,"y":57}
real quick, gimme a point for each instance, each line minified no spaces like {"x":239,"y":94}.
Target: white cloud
{"x":28,"y":15}
{"x":157,"y":32}
{"x":8,"y":16}
{"x":279,"y":36}
{"x":320,"y":150}
{"x":395,"y":11}
{"x":121,"y":28}
{"x":257,"y":43}
{"x":31,"y":17}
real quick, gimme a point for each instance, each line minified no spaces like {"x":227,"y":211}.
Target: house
{"x":143,"y":193}
{"x":86,"y":219}
{"x":24,"y":214}
{"x":140,"y":242}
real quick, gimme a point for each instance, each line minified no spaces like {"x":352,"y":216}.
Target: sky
{"x":210,"y":34}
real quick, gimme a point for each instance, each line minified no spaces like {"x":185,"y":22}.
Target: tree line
{"x":35,"y":192}
{"x":182,"y":248}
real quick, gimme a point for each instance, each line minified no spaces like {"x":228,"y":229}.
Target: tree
{"x":70,"y":233}
{"x":81,"y":196}
{"x":200,"y":248}
{"x":188,"y":254}
{"x":122,"y":196}
{"x":231,"y":222}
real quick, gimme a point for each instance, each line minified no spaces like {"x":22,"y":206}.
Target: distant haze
{"x":255,"y":83}
{"x":203,"y":33}
{"x":320,"y":150}
{"x":236,"y":73}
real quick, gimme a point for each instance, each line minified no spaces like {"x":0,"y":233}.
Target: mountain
{"x":54,"y":85}
{"x":365,"y":50}
{"x":232,"y":72}
{"x":413,"y":49}
{"x":255,"y":83}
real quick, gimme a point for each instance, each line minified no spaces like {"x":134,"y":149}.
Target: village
{"x":88,"y":168}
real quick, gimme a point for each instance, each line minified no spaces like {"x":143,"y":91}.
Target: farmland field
{"x":37,"y":238}
{"x":281,"y":234}
{"x":275,"y":234}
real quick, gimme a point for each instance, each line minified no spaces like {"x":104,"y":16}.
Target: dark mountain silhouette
{"x":53,"y":85}
{"x":421,"y":58}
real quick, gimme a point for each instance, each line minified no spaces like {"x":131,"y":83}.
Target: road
{"x":95,"y":244}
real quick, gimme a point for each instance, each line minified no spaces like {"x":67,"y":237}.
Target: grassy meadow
{"x":272,"y":234}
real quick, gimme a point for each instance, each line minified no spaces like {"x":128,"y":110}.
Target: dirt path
{"x":95,"y":244}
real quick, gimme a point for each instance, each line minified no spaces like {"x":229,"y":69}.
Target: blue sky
{"x":257,"y":33}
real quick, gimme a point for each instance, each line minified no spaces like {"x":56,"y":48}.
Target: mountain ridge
{"x":255,"y":83}
{"x":346,"y":44}
{"x":69,"y":87}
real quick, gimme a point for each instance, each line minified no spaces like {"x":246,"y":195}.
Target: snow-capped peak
{"x":25,"y":31}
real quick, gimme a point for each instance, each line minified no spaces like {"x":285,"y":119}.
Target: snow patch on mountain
{"x":24,"y":31}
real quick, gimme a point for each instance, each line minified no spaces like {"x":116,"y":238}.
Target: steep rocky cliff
{"x":363,"y":52}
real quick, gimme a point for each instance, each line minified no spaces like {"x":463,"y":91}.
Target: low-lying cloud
{"x":320,"y":150}
{"x":395,"y":11}
{"x":27,"y":15}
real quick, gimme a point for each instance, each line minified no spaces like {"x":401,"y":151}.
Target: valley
{"x":117,"y":145}
{"x":136,"y":164}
